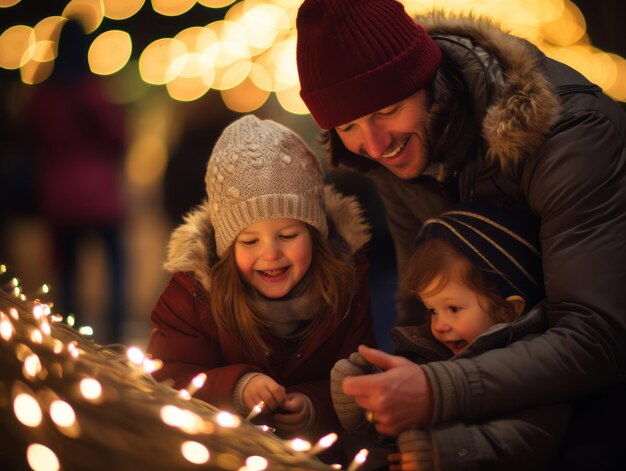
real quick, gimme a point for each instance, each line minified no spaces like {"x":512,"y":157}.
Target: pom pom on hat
{"x":258,"y":170}
{"x":502,"y":241}
{"x":357,"y":56}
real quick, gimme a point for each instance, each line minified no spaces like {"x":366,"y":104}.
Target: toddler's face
{"x":273,"y":255}
{"x":457,"y":315}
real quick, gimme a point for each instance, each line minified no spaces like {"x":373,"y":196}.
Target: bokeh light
{"x":251,"y":48}
{"x":121,"y":9}
{"x":109,"y":52}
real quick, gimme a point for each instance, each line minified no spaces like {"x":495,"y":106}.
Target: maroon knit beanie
{"x":358,"y":56}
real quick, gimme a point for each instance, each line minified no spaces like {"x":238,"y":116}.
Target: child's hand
{"x":415,"y":452}
{"x":351,"y":416}
{"x":295,"y":415}
{"x":263,"y":388}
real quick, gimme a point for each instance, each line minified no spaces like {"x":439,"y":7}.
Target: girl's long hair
{"x":436,"y":259}
{"x":333,"y":278}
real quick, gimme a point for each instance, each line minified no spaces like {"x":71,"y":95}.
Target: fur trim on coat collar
{"x":517,"y":121}
{"x":192,"y":245}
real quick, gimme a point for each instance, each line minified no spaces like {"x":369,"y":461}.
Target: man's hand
{"x":400,"y":397}
{"x":263,"y":388}
{"x":295,"y":415}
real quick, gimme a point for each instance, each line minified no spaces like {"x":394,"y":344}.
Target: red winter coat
{"x":186,"y":338}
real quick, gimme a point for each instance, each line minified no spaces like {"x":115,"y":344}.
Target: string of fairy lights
{"x":67,"y":403}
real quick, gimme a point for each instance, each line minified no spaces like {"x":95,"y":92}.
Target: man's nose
{"x":375,"y":141}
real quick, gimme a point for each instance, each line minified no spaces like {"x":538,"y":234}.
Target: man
{"x":458,"y":110}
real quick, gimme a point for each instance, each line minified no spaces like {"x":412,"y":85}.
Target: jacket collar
{"x":418,"y":343}
{"x":513,"y":99}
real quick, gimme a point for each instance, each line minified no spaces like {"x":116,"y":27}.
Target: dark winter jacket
{"x":526,"y":439}
{"x":563,"y":142}
{"x":186,"y":338}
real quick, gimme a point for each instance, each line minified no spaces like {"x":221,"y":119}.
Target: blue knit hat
{"x":502,"y":241}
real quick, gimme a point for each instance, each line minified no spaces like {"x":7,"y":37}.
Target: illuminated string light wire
{"x":74,"y":402}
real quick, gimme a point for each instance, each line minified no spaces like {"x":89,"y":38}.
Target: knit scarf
{"x":287,"y":317}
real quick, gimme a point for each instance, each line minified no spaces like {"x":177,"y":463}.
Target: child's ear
{"x":518,"y":304}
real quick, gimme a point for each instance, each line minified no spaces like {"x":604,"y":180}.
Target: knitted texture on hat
{"x":503,"y":242}
{"x":258,"y":170}
{"x":357,"y":56}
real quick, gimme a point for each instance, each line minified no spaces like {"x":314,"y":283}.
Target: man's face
{"x":395,"y":136}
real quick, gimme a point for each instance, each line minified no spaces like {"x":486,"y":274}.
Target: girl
{"x":477,"y":271}
{"x":268,"y":285}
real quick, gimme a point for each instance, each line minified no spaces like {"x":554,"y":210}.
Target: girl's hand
{"x":263,"y":388}
{"x":296,"y":414}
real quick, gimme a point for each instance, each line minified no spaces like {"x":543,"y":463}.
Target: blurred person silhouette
{"x":79,"y":138}
{"x":17,"y":167}
{"x":201,"y":123}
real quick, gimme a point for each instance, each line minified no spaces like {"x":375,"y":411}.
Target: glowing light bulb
{"x":90,"y":388}
{"x":298,"y":444}
{"x":36,"y":336}
{"x":323,"y":443}
{"x":72,"y":348}
{"x":256,"y":410}
{"x":135,"y":355}
{"x":256,"y":463}
{"x":86,"y":330}
{"x":152,"y":365}
{"x":6,"y":329}
{"x":183,"y":419}
{"x":32,"y":366}
{"x":57,"y":346}
{"x":196,"y":383}
{"x":62,"y":414}
{"x":226,"y":419}
{"x":27,"y":410}
{"x":44,"y":325}
{"x":38,"y":311}
{"x":42,"y":458}
{"x":195,"y":452}
{"x":358,"y":460}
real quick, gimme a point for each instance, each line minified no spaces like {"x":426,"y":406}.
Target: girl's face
{"x":457,"y":314}
{"x":273,"y":255}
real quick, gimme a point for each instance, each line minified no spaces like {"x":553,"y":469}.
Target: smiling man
{"x":449,"y":109}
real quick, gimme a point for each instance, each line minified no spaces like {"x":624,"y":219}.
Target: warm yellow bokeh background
{"x":252,"y":49}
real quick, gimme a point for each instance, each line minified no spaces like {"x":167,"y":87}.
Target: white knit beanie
{"x":259,"y":169}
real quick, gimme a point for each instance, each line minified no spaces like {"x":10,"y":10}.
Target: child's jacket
{"x":527,"y":439}
{"x":186,"y":338}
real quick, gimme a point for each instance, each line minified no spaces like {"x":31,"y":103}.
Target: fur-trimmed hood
{"x":505,"y":77}
{"x":192,"y":245}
